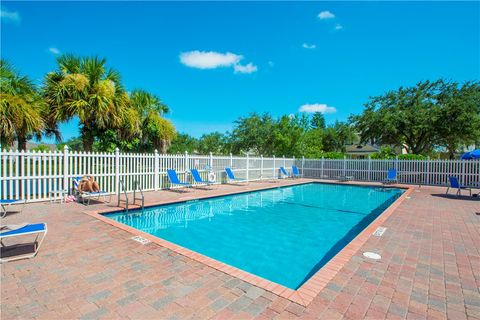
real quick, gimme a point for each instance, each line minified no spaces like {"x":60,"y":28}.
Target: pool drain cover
{"x":372,"y":255}
{"x":140,"y":239}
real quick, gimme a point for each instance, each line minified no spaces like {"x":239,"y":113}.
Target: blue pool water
{"x":284,"y":234}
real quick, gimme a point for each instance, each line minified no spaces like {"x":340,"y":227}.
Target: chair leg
{"x":447,"y":190}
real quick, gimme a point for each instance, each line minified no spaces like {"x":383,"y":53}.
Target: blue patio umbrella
{"x":475,"y":154}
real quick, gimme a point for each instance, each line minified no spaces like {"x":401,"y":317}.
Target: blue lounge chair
{"x":391,"y":177}
{"x":174,"y":181}
{"x":295,"y":172}
{"x":284,"y":172}
{"x":17,"y":251}
{"x":198,"y":179}
{"x":231,"y":176}
{"x":85,"y":196}
{"x":454,"y":184}
{"x":6,"y":203}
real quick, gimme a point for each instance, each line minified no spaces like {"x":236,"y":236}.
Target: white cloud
{"x":209,"y":60}
{"x":54,"y":50}
{"x":249,"y":68}
{"x":338,"y":27}
{"x":308,"y":46}
{"x":326,"y":15}
{"x":317,"y":107}
{"x":9,"y":16}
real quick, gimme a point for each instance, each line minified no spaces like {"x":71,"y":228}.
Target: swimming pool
{"x":284,"y":235}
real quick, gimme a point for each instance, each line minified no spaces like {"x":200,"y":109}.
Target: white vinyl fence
{"x":33,"y":175}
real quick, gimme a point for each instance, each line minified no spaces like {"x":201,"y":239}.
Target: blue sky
{"x":212,"y":62}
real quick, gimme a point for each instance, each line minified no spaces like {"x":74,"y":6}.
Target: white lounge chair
{"x":21,"y":250}
{"x":85,"y":196}
{"x":6,"y":203}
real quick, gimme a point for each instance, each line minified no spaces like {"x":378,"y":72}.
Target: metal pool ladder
{"x":121,"y":187}
{"x":136,"y":186}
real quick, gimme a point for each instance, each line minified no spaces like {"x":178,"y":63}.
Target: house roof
{"x":360,"y":148}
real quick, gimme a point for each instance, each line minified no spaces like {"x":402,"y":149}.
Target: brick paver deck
{"x":430,"y":268}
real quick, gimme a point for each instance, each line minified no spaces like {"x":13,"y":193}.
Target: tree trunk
{"x":451,"y":151}
{"x":22,"y":143}
{"x":87,"y":138}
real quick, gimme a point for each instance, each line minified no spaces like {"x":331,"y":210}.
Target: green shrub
{"x":332,"y":155}
{"x":411,"y":157}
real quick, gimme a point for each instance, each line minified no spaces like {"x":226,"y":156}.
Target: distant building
{"x":360,"y":151}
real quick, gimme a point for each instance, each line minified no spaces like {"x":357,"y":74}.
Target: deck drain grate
{"x":380,"y":231}
{"x":140,"y":239}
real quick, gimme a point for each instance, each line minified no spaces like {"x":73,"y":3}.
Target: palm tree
{"x":85,"y":88}
{"x":156,"y":131}
{"x":22,"y":110}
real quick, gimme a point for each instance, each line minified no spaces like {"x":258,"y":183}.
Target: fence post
{"x":65,"y":168}
{"x":284,"y":163}
{"x":344,"y":166}
{"x":185,"y":166}
{"x":247,"y":168}
{"x":117,"y":171}
{"x":369,"y":168}
{"x":273,"y":167}
{"x":211,"y":162}
{"x":428,"y":170}
{"x":231,"y":161}
{"x":261,"y":166}
{"x":156,"y":171}
{"x":303,"y":164}
{"x":321,"y":172}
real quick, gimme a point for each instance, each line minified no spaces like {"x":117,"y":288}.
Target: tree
{"x":85,"y":88}
{"x":312,"y":143}
{"x":458,"y":116}
{"x":214,"y":142}
{"x":287,"y":135}
{"x":318,"y":121}
{"x":156,"y":131}
{"x":183,"y":142}
{"x":74,"y":144}
{"x":253,"y":134}
{"x":404,"y":117}
{"x":22,"y":110}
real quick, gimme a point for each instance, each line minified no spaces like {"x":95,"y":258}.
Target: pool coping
{"x":305,"y":294}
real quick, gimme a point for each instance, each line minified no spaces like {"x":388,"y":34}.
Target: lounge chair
{"x":22,"y":250}
{"x":174,"y":181}
{"x":391,"y":177}
{"x":6,"y":203}
{"x":198,"y":179}
{"x":454,"y":184}
{"x":86,"y":196}
{"x":344,"y":178}
{"x":296,"y":172}
{"x":231,"y":176}
{"x":284,"y":172}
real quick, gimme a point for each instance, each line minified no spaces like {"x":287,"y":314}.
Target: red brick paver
{"x":430,"y":268}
